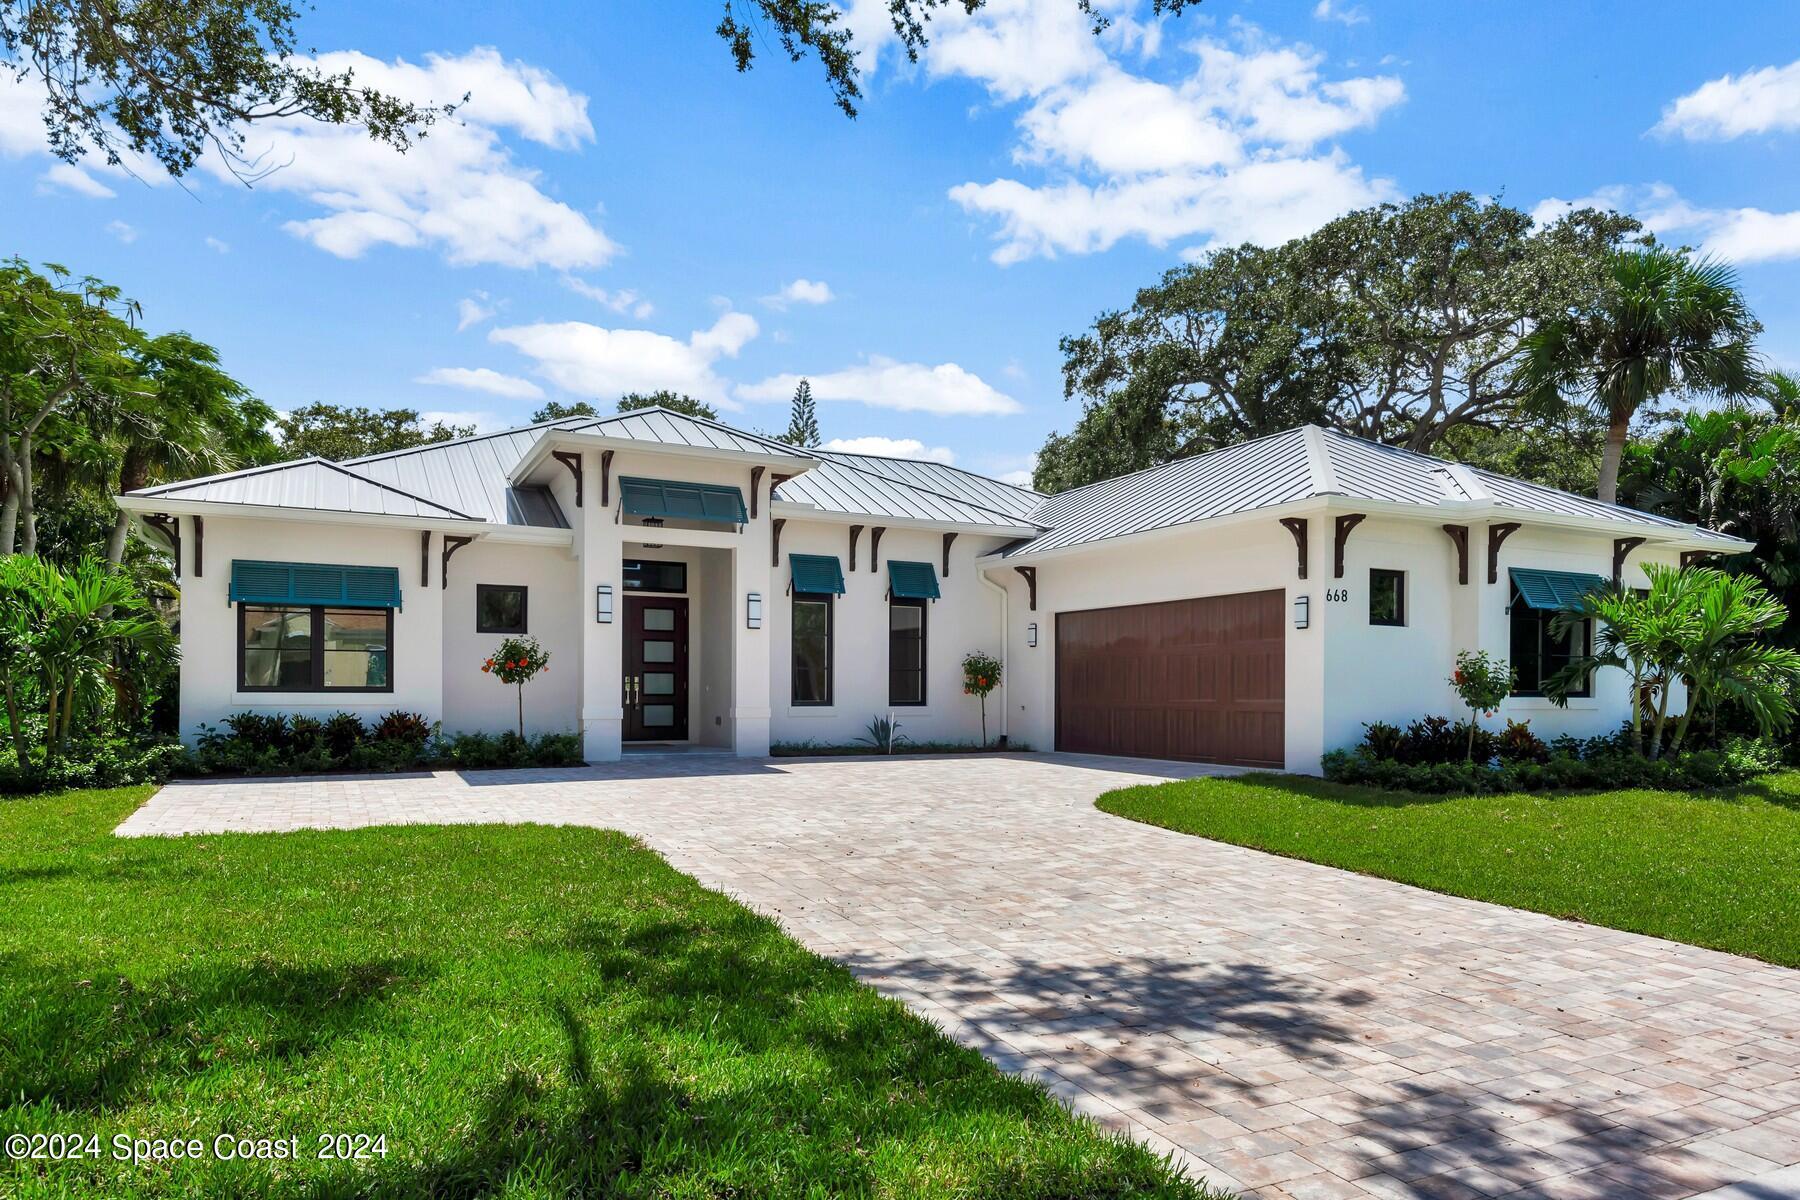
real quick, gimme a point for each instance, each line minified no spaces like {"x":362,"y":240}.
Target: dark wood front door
{"x":1203,"y":680}
{"x":656,"y":669}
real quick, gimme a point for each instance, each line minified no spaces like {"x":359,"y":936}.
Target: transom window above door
{"x":653,"y":575}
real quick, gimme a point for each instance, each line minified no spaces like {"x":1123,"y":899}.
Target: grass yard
{"x":527,"y":1011}
{"x":1718,"y":869}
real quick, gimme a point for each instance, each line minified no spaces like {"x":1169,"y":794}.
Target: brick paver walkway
{"x":1288,"y":1029}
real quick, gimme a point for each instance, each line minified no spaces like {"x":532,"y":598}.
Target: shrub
{"x":1558,"y":772}
{"x":1383,"y":740}
{"x":93,"y":763}
{"x":1519,"y":744}
{"x":343,"y":733}
{"x":402,"y":727}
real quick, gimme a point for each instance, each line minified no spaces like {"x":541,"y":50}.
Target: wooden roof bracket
{"x":1345,"y":524}
{"x":855,"y":532}
{"x":1496,"y":535}
{"x":948,"y":538}
{"x":425,"y":558}
{"x":875,"y":547}
{"x":452,"y":543}
{"x":1459,"y":535}
{"x":756,"y":474}
{"x":572,"y":460}
{"x":775,"y":541}
{"x":1621,"y":548}
{"x":1297,"y":527}
{"x":606,"y":478}
{"x":1030,"y":574}
{"x":170,"y":528}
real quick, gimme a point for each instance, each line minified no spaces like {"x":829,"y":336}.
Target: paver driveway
{"x":1290,"y":1029}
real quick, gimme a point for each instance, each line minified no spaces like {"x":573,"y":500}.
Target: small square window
{"x":1387,"y":597}
{"x":499,"y":608}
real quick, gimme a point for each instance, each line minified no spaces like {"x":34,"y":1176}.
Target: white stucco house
{"x":696,"y":584}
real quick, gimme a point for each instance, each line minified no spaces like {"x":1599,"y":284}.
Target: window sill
{"x":1542,"y":704}
{"x":333,"y":700}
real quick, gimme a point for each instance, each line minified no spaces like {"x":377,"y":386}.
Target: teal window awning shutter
{"x":668,"y":498}
{"x":912,"y":580}
{"x":314,"y":583}
{"x":1553,"y":591}
{"x":817,"y":573}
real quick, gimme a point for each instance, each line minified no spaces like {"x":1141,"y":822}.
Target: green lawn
{"x":526,"y":1011}
{"x":1716,"y":869}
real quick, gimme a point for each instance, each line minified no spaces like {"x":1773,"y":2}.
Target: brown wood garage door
{"x":1201,"y":679}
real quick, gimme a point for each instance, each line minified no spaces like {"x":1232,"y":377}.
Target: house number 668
{"x":1337,"y":594}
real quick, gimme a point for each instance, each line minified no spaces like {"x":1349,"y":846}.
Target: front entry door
{"x":656,"y":669}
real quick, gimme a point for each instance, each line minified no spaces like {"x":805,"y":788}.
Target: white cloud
{"x":1760,"y":101}
{"x":125,"y":233}
{"x":886,"y":447}
{"x":801,"y":291}
{"x":481,"y":379}
{"x":622,"y":300}
{"x":604,"y":363}
{"x":1018,"y":478}
{"x":1739,"y":235}
{"x":459,"y":189}
{"x":944,"y":390}
{"x":473,"y":310}
{"x":1233,"y":147}
{"x":73,"y":178}
{"x":482,"y":420}
{"x":217,"y":246}
{"x":1330,"y":10}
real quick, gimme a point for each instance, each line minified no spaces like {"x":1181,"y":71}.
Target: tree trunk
{"x":1662,"y":716}
{"x":115,"y":542}
{"x":1611,"y":455}
{"x":27,"y":507}
{"x":521,"y":712}
{"x":1469,"y":754}
{"x":9,"y":509}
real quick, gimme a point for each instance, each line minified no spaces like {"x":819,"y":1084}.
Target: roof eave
{"x":176,"y":506}
{"x":806,"y":512}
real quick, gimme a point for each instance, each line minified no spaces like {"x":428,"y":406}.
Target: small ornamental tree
{"x":981,"y":675}
{"x":1482,"y":682}
{"x":517,"y":661}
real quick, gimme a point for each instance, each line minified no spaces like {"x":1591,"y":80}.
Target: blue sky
{"x":619,"y":209}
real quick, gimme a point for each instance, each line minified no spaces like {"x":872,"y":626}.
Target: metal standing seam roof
{"x":470,"y":474}
{"x":313,"y":483}
{"x":835,"y":487}
{"x":1297,"y":464}
{"x":945,"y":480}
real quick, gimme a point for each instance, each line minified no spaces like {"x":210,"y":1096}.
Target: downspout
{"x":1005,"y":646}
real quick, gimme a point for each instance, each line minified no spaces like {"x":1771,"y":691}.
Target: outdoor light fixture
{"x":753,"y":610}
{"x":603,"y":604}
{"x":1302,"y":611}
{"x":1031,"y":635}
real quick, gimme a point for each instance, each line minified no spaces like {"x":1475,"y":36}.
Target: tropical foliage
{"x":679,"y":402}
{"x":803,"y":420}
{"x":1664,"y":322}
{"x":338,"y":433}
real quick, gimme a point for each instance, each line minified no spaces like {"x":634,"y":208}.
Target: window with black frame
{"x":654,"y":575}
{"x":499,"y":608}
{"x":812,"y":649}
{"x":295,"y":648}
{"x":1387,"y":597}
{"x":906,"y":652}
{"x":1538,"y":653}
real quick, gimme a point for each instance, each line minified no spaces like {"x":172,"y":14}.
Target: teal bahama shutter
{"x":314,"y":583}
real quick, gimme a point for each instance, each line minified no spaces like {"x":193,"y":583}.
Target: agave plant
{"x":884,"y":734}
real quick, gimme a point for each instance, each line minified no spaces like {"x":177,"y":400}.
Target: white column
{"x":602,"y":661}
{"x":750,"y":573}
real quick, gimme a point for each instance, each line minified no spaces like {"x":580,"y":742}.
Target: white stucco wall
{"x":967,"y":617}
{"x":1198,"y":561}
{"x":474,"y":702}
{"x":209,"y":623}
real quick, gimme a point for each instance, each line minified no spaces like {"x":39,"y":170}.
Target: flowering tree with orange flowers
{"x":517,"y":661}
{"x":1482,"y":682}
{"x":981,"y":675}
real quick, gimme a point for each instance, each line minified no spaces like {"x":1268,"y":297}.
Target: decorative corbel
{"x":452,"y":543}
{"x":1621,"y":547}
{"x":170,"y":528}
{"x":606,"y":478}
{"x":948,"y":538}
{"x":1030,"y":574}
{"x":775,"y":541}
{"x":1297,"y":527}
{"x":1692,"y":558}
{"x":875,"y":547}
{"x":199,"y":544}
{"x":855,"y":532}
{"x":1459,"y":534}
{"x":425,"y":558}
{"x":1496,"y":535}
{"x":756,"y":474}
{"x":572,"y":460}
{"x":1345,"y":524}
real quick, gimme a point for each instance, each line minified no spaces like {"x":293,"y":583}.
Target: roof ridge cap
{"x":1318,"y":462}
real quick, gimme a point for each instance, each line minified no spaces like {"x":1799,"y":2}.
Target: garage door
{"x":1192,"y":679}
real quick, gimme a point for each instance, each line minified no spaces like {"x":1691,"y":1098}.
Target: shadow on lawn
{"x":89,"y":1042}
{"x":713,"y":1057}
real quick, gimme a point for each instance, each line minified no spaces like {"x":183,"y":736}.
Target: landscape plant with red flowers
{"x":981,"y":675}
{"x":517,"y":661}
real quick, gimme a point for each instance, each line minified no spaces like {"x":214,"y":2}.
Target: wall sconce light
{"x":1302,"y":611}
{"x":1031,"y":635}
{"x":753,"y":610}
{"x":603,"y":604}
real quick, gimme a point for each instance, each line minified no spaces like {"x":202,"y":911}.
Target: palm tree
{"x":1667,"y":322}
{"x":1728,"y":660}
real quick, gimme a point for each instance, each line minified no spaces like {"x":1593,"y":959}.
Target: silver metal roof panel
{"x":313,"y":483}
